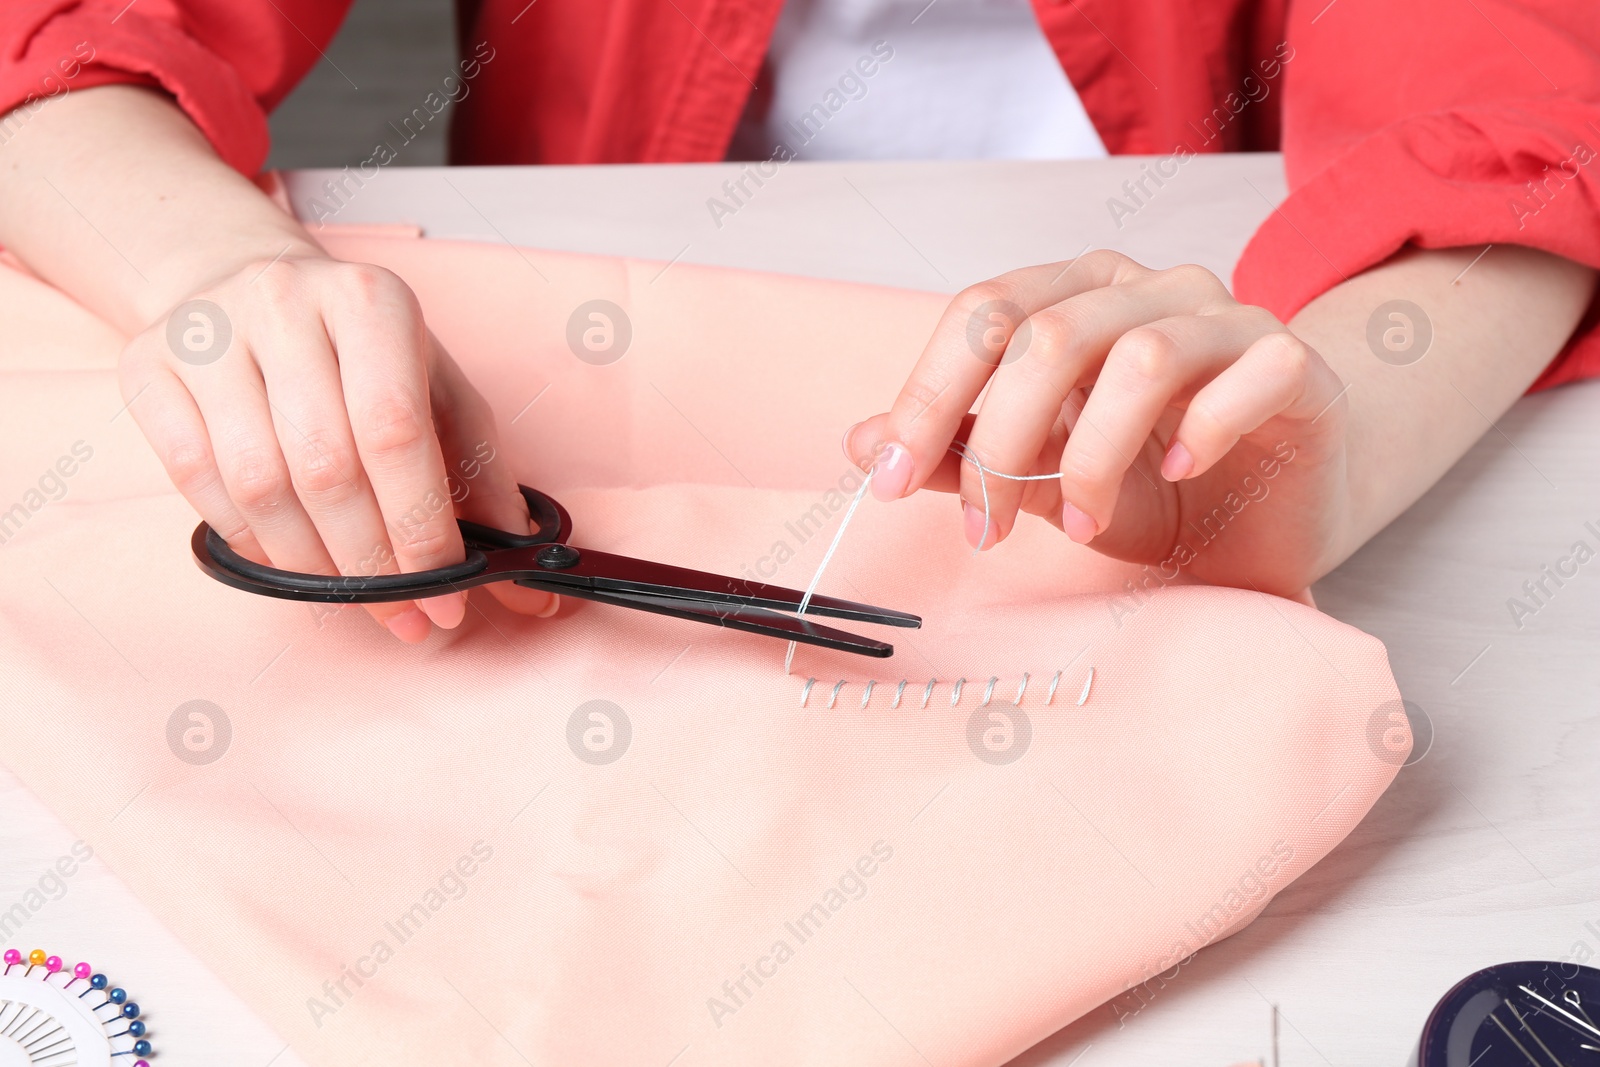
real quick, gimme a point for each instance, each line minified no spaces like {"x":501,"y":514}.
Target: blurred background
{"x":388,"y":56}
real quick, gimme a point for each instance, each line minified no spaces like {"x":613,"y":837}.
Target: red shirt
{"x":1437,"y":123}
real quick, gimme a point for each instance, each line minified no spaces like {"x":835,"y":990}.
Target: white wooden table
{"x":1486,"y":850}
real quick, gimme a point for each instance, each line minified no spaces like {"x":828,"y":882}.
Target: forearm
{"x":1495,"y":328}
{"x":112,"y":195}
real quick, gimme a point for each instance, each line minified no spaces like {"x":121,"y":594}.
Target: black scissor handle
{"x":551,"y":521}
{"x":230,"y":568}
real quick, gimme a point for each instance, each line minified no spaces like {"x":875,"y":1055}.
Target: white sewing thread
{"x":964,"y":450}
{"x":957,"y":691}
{"x":960,"y":448}
{"x":838,"y":535}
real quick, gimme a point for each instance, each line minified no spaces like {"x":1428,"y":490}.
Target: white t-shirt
{"x":910,"y":79}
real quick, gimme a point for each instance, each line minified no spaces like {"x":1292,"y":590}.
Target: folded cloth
{"x":613,"y":838}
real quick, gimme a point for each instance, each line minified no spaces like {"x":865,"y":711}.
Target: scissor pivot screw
{"x":556,"y":557}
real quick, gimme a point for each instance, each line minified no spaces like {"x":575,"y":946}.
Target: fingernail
{"x":446,"y":611}
{"x":973,"y":519}
{"x":1178,"y":463}
{"x":1078,"y":526}
{"x":550,"y":608}
{"x":891,"y":474}
{"x":410,"y":626}
{"x":844,"y":442}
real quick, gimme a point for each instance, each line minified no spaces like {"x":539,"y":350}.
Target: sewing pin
{"x":15,"y":1019}
{"x":45,"y":1053}
{"x":1513,"y":1039}
{"x":35,"y":959}
{"x":13,"y":958}
{"x":1571,"y":997}
{"x":1576,"y":1026}
{"x":114,"y":998}
{"x":140,"y":1048}
{"x":37,"y":1035}
{"x":99,"y":981}
{"x":26,"y":1039}
{"x":1517,"y":1015}
{"x":1560,"y":1010}
{"x":20,"y":1021}
{"x":79,"y":970}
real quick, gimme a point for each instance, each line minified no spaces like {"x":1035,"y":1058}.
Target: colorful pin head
{"x":80,"y":971}
{"x":127,"y":1012}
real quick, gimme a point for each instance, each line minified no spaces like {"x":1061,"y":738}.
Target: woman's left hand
{"x":1157,"y":397}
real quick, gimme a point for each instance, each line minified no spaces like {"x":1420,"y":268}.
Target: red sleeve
{"x":1438,"y":123}
{"x":225,"y":63}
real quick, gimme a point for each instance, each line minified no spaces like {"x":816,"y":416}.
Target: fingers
{"x":195,"y":457}
{"x":481,"y":480}
{"x":1146,"y":370}
{"x":976,"y":333}
{"x":301,"y":378}
{"x":384,"y":353}
{"x":1069,"y":342}
{"x":332,"y":435}
{"x":250,"y":462}
{"x":171,"y":422}
{"x":1279,"y":375}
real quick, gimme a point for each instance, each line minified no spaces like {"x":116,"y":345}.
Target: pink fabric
{"x":567,"y":911}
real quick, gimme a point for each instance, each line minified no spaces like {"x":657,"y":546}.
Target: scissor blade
{"x":635,"y":577}
{"x":753,"y":620}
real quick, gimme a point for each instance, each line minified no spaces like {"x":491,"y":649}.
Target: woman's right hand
{"x":305,"y":411}
{"x":303,"y":408}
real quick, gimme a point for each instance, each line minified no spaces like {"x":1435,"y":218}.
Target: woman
{"x":1414,"y":135}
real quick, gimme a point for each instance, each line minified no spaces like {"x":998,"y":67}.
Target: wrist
{"x":198,"y":267}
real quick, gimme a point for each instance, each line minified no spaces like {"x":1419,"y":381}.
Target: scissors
{"x":544,"y":560}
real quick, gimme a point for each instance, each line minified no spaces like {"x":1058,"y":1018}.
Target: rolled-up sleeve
{"x":1434,"y":123}
{"x":226,"y":64}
